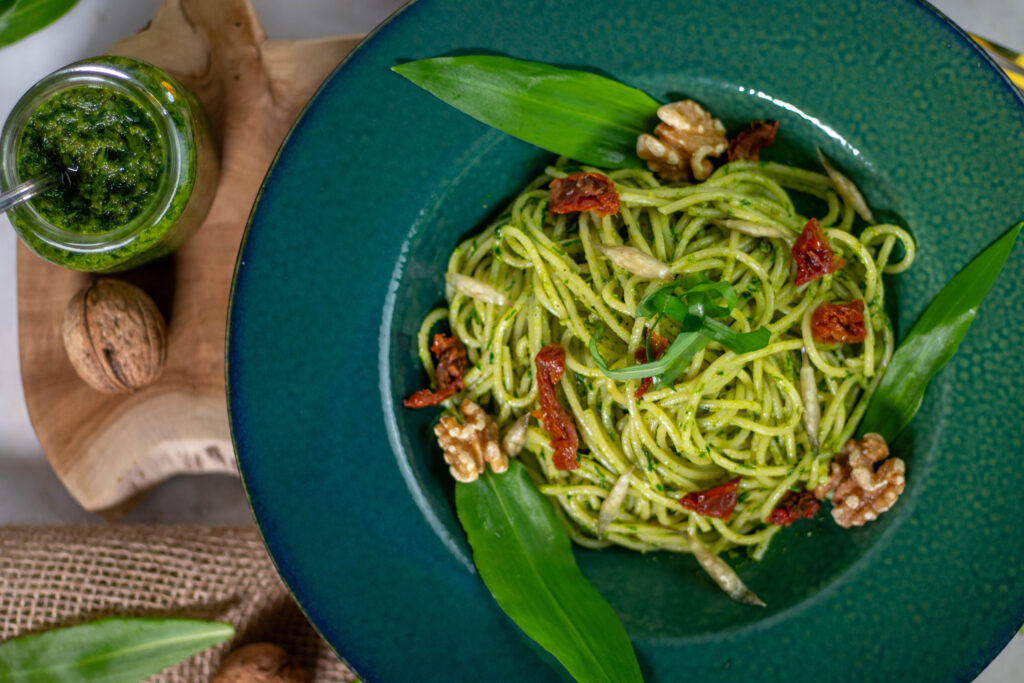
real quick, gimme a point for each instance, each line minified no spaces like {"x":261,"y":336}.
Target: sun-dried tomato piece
{"x":451,"y":361}
{"x":584,"y":192}
{"x":749,"y":143}
{"x":557,"y":422}
{"x":425,"y":398}
{"x":658,"y":346}
{"x":793,"y":506}
{"x":841,"y":323}
{"x":813,"y":255}
{"x":717,"y":502}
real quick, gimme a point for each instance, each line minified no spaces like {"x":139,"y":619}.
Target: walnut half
{"x":682,"y":142}
{"x":862,"y":492}
{"x":471,"y":445}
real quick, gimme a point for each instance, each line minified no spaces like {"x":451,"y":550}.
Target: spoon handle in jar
{"x":25,"y":191}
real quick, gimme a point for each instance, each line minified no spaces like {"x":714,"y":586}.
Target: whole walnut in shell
{"x":260,"y":663}
{"x":115,"y":337}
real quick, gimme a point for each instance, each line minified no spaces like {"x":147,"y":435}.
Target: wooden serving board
{"x":109,"y":449}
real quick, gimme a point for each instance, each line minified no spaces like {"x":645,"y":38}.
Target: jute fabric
{"x":53,"y":576}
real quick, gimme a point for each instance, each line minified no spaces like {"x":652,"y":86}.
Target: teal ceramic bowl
{"x":345,"y":253}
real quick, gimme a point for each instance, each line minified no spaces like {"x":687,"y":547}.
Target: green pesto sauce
{"x":115,"y":147}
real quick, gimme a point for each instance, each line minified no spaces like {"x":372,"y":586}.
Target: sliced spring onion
{"x":809,"y":396}
{"x":724,"y":575}
{"x":848,"y":191}
{"x":756,"y":229}
{"x":613,"y":501}
{"x":515,"y":437}
{"x":637,"y":262}
{"x":475,"y":289}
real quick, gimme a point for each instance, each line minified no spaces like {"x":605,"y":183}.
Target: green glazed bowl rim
{"x":318,"y":353}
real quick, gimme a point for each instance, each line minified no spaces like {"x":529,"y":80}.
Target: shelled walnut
{"x":470,"y":446}
{"x":114,"y":336}
{"x":682,"y":142}
{"x":861,"y":492}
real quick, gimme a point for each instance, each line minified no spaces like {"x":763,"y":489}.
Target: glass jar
{"x":147,"y":178}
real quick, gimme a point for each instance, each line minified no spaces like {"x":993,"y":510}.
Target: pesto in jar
{"x":145,"y":166}
{"x":110,"y":145}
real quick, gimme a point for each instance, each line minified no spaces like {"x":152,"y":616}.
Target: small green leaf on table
{"x":933,"y":340}
{"x":108,"y":650}
{"x":523,"y":554}
{"x":577,"y":114}
{"x":19,"y":18}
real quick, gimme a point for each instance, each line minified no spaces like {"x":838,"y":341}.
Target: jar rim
{"x":104,"y":73}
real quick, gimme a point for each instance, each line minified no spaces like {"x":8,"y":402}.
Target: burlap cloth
{"x":53,"y":576}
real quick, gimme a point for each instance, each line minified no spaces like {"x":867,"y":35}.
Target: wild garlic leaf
{"x":574,"y":113}
{"x":20,"y":18}
{"x":933,"y":340}
{"x":108,"y":650}
{"x":523,"y":554}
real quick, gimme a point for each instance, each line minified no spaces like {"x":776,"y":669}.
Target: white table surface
{"x":29,"y":491}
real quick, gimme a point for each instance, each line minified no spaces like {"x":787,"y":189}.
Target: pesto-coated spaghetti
{"x":727,"y":415}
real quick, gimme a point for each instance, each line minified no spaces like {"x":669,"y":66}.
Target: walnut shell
{"x":260,"y":663}
{"x":115,"y":337}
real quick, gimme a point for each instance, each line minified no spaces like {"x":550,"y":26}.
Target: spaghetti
{"x":728,"y":415}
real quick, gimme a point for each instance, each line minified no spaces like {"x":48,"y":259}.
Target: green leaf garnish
{"x":933,"y":340}
{"x":695,"y":309}
{"x":19,"y":18}
{"x":108,"y":650}
{"x":676,"y":358}
{"x":523,"y":554}
{"x":577,"y":114}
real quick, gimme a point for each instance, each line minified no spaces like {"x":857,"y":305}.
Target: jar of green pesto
{"x":132,"y":148}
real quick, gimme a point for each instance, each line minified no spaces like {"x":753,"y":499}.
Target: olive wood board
{"x":109,"y":449}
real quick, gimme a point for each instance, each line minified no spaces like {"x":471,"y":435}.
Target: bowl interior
{"x":468,"y":194}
